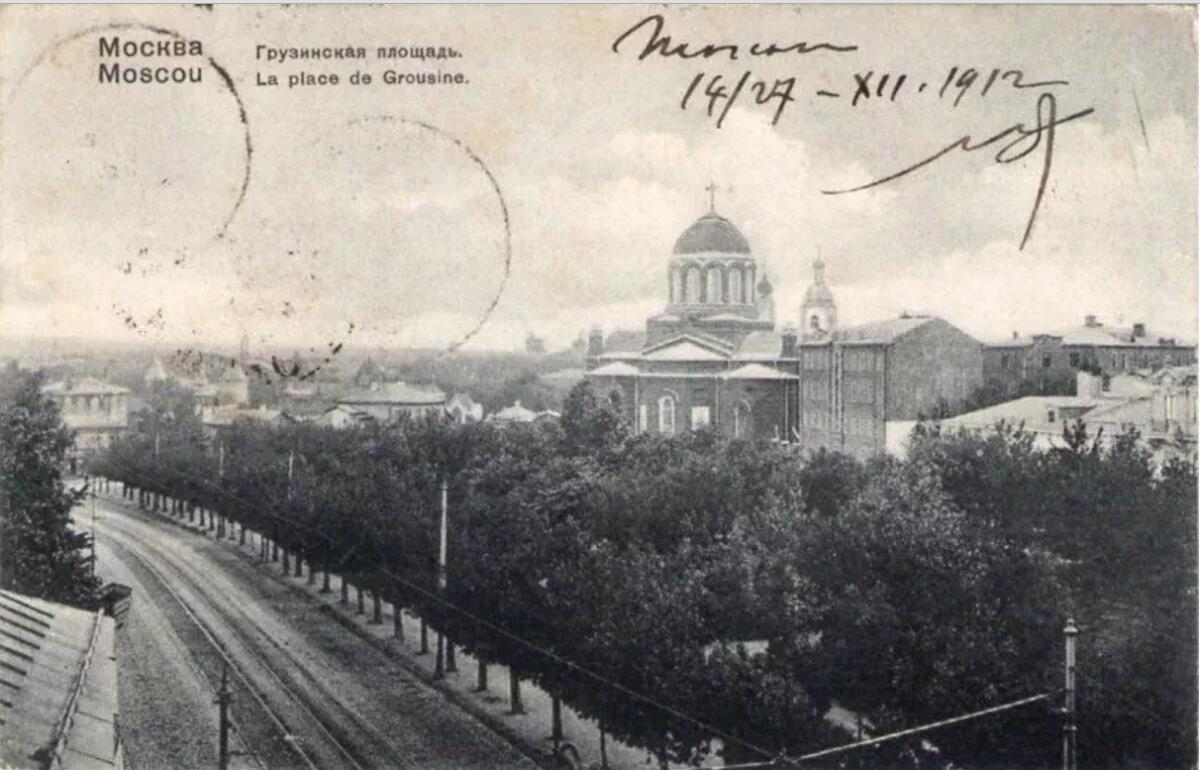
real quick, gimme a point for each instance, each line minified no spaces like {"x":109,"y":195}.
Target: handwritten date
{"x":719,"y":92}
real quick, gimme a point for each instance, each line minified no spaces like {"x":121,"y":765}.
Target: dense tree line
{"x":41,"y":553}
{"x":623,"y":572}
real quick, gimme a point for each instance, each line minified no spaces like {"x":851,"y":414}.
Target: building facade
{"x":715,"y":357}
{"x":1048,"y":362}
{"x":95,"y":411}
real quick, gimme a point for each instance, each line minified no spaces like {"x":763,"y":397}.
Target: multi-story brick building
{"x":1048,"y":362}
{"x":714,"y":357}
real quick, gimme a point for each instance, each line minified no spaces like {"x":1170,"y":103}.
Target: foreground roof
{"x":58,"y":680}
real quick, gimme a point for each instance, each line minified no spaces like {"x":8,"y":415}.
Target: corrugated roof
{"x":58,"y":685}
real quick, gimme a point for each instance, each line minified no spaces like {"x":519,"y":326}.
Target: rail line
{"x":131,"y":544}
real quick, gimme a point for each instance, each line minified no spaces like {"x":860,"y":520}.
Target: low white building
{"x":387,"y":402}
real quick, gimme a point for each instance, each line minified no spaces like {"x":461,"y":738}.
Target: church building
{"x":716,"y":357}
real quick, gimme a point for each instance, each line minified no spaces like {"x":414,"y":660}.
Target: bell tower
{"x":818,"y":311}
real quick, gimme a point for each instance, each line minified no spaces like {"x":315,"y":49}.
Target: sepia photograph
{"x":599,"y":387}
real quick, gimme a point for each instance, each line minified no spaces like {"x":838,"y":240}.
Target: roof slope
{"x":58,"y":680}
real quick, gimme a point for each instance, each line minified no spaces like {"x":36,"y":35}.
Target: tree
{"x":40,"y":554}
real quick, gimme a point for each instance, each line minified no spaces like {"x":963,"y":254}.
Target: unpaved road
{"x":308,"y":693}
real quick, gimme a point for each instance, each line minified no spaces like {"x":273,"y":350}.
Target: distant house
{"x":220,"y":418}
{"x":1163,"y":412}
{"x":517,"y":413}
{"x":340,"y":416}
{"x":1041,"y":359}
{"x":464,"y":409}
{"x":96,"y":411}
{"x":58,"y":676}
{"x":387,"y":402}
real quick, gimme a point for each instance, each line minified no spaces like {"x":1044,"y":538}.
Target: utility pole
{"x":93,"y":491}
{"x":438,"y":666}
{"x":220,"y":475}
{"x":1069,"y":729}
{"x":223,"y":705}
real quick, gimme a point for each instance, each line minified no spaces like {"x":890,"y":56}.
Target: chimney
{"x":1090,"y":321}
{"x":788,"y":339}
{"x":595,"y":347}
{"x":1015,"y":335}
{"x":1139,"y":330}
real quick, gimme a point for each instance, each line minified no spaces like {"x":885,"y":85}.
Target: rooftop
{"x":87,"y":386}
{"x":399,"y":393}
{"x":59,"y":681}
{"x":711,"y":233}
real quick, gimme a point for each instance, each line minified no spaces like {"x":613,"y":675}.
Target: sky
{"x":376,"y":214}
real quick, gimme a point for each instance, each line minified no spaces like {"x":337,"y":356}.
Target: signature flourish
{"x":1018,"y":142}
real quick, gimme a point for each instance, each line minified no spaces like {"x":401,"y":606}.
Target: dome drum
{"x":712,"y":282}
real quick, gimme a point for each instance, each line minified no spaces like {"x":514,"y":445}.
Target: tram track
{"x":314,"y":735}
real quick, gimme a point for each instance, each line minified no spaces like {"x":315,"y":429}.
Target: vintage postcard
{"x":605,"y":386}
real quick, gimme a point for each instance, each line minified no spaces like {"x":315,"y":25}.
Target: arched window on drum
{"x":715,"y":295}
{"x":692,"y":287}
{"x":735,"y":286}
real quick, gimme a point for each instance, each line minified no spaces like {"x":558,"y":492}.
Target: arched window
{"x":666,"y":416}
{"x":715,"y":294}
{"x":743,"y":421}
{"x":676,"y":285}
{"x":735,"y":286}
{"x":692,"y":290}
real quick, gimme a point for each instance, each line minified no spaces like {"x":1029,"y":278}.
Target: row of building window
{"x":1117,"y":360}
{"x":105,"y":404}
{"x":699,"y":417}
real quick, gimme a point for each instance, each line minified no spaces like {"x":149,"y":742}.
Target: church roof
{"x":757,"y":372}
{"x":761,"y":345}
{"x":712,"y":233}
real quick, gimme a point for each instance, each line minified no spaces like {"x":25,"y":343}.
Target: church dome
{"x":818,"y":292}
{"x":712,"y":233}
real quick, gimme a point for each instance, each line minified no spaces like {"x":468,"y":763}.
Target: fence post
{"x":1069,"y":729}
